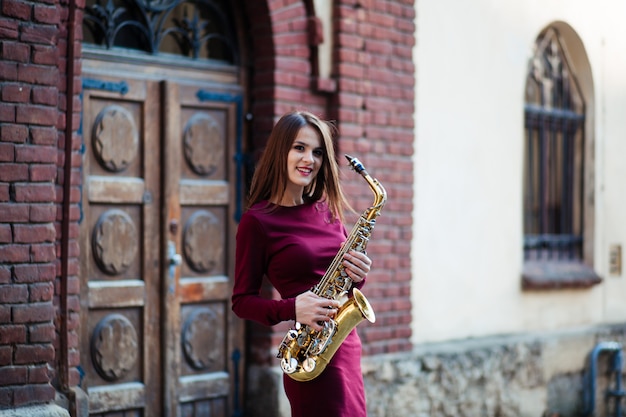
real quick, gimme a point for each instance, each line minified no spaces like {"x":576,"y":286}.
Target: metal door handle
{"x":173,"y":258}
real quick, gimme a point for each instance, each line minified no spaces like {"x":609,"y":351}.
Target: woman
{"x":290,"y":233}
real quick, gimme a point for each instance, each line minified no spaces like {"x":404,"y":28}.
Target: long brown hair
{"x":270,"y":177}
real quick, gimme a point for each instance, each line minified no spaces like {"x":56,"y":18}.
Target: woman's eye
{"x":318,"y":152}
{"x":299,"y":147}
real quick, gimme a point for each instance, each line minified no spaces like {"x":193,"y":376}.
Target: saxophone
{"x":305,"y":352}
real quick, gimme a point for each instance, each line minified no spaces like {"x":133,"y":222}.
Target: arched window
{"x":554,"y":169}
{"x":198,"y":29}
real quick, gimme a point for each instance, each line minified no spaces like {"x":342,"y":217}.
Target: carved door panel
{"x":203,"y":338}
{"x":120,"y":269}
{"x":157,"y":238}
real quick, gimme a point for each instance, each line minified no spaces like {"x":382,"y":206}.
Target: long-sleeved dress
{"x":293,"y":247}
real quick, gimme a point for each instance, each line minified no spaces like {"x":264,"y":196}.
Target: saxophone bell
{"x":364,"y":306}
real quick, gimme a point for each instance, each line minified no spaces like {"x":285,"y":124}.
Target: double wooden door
{"x":157,"y":239}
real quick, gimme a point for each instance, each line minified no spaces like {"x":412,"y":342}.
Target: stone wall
{"x":532,"y":375}
{"x":517,"y":376}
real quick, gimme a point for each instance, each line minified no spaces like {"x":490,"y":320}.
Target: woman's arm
{"x":250,"y":267}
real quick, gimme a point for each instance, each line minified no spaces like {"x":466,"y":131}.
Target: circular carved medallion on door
{"x":202,"y":341}
{"x":115,"y":138}
{"x":203,"y":144}
{"x":114,"y":347}
{"x":202,"y":245}
{"x":114,"y":241}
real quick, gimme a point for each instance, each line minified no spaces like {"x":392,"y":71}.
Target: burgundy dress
{"x":293,"y":247}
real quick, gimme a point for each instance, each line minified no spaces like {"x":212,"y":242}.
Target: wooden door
{"x":203,"y":341}
{"x":157,"y":237}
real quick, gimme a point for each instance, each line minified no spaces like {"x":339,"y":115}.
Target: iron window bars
{"x":192,"y":28}
{"x":554,"y":149}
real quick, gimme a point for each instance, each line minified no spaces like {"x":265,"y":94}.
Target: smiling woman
{"x":291,"y":233}
{"x":303,"y":163}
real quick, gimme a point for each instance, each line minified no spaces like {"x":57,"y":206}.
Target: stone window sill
{"x":551,"y":275}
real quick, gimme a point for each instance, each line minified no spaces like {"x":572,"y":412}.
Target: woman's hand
{"x":312,"y":309}
{"x":357,"y":265}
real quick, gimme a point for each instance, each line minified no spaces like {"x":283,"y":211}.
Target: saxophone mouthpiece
{"x":355,"y":163}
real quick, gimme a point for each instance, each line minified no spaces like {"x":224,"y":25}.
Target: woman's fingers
{"x":328,"y":313}
{"x":357,"y":265}
{"x":312,"y":309}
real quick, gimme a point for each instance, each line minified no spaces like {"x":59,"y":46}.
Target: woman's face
{"x":304,"y":160}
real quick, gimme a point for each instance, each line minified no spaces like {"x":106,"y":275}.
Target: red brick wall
{"x":373,"y":105}
{"x":372,"y":102}
{"x":32,"y":70}
{"x":67,"y":287}
{"x":28,"y":170}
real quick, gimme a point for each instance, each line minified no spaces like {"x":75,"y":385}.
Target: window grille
{"x":198,"y":29}
{"x":554,"y":155}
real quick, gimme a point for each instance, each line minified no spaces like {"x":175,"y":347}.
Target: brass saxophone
{"x":305,"y":352}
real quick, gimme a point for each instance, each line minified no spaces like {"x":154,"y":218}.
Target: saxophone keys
{"x":309,"y":364}
{"x":302,"y":339}
{"x":342,"y":298}
{"x":289,"y":365}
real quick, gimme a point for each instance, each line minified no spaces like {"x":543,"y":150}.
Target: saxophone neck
{"x":380,"y":194}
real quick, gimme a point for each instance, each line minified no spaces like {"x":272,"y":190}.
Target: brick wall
{"x":373,"y":104}
{"x":67,"y":284}
{"x":371,"y":97}
{"x":32,"y":65}
{"x":28,"y":117}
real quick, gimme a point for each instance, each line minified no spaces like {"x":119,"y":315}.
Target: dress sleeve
{"x":251,"y":259}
